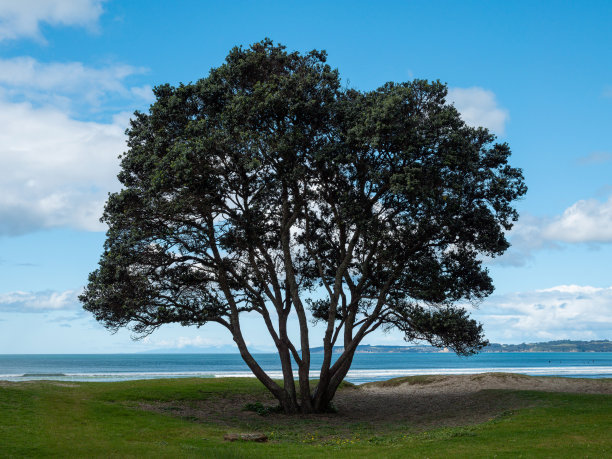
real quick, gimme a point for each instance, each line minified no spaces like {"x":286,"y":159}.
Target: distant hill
{"x":369,"y":349}
{"x":553,"y":346}
{"x":550,"y":346}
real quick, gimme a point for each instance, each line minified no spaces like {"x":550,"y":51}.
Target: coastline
{"x":367,"y":367}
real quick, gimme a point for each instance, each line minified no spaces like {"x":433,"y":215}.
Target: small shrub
{"x":331,"y":408}
{"x":260,"y":409}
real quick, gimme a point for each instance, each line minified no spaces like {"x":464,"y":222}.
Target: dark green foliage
{"x":260,"y":409}
{"x":266,"y":185}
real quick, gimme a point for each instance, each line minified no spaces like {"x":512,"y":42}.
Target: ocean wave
{"x":106,"y":376}
{"x":393,"y":373}
{"x":356,"y":375}
{"x":41,"y":375}
{"x":574,"y":370}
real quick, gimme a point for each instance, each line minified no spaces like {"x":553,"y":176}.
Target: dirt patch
{"x":453,"y":399}
{"x":416,"y":403}
{"x":375,"y":409}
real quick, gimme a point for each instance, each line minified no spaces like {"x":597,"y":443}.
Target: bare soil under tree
{"x":417,"y":403}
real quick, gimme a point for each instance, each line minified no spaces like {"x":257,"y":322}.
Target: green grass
{"x":44,"y":419}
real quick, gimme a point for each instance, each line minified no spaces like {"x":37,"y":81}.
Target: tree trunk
{"x":287,"y":395}
{"x":326,"y":390}
{"x":289,"y":402}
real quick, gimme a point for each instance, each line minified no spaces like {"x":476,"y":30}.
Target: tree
{"x":268,"y":188}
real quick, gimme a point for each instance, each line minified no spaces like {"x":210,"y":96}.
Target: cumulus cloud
{"x":561,"y":312}
{"x":44,"y":301}
{"x":56,"y":171}
{"x":585,"y":221}
{"x":478,"y":107}
{"x":22,"y":18}
{"x":69,"y":85}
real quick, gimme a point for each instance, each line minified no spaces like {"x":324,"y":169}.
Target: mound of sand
{"x":465,"y":384}
{"x":452,"y":400}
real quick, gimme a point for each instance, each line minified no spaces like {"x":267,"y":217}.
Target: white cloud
{"x":55,"y":171}
{"x":68,"y":84}
{"x":68,"y":77}
{"x":525,"y":238}
{"x":585,"y":221}
{"x":183,"y":342}
{"x":44,"y":301}
{"x":144,"y":92}
{"x":561,"y":312}
{"x":478,"y":107}
{"x":22,"y":18}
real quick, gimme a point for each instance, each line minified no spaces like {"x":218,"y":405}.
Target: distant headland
{"x":549,"y":346}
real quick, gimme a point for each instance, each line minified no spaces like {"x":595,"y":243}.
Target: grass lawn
{"x":53,"y":419}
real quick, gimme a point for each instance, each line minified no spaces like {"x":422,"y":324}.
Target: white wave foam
{"x":357,"y":375}
{"x":575,"y":370}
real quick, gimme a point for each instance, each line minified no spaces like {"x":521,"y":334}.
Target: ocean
{"x":366,"y":367}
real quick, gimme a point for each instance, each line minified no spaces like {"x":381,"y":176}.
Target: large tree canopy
{"x":268,"y":188}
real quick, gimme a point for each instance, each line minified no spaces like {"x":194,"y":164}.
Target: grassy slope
{"x":102,"y":420}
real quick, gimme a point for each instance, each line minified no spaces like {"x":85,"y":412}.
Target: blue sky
{"x":538,"y":74}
